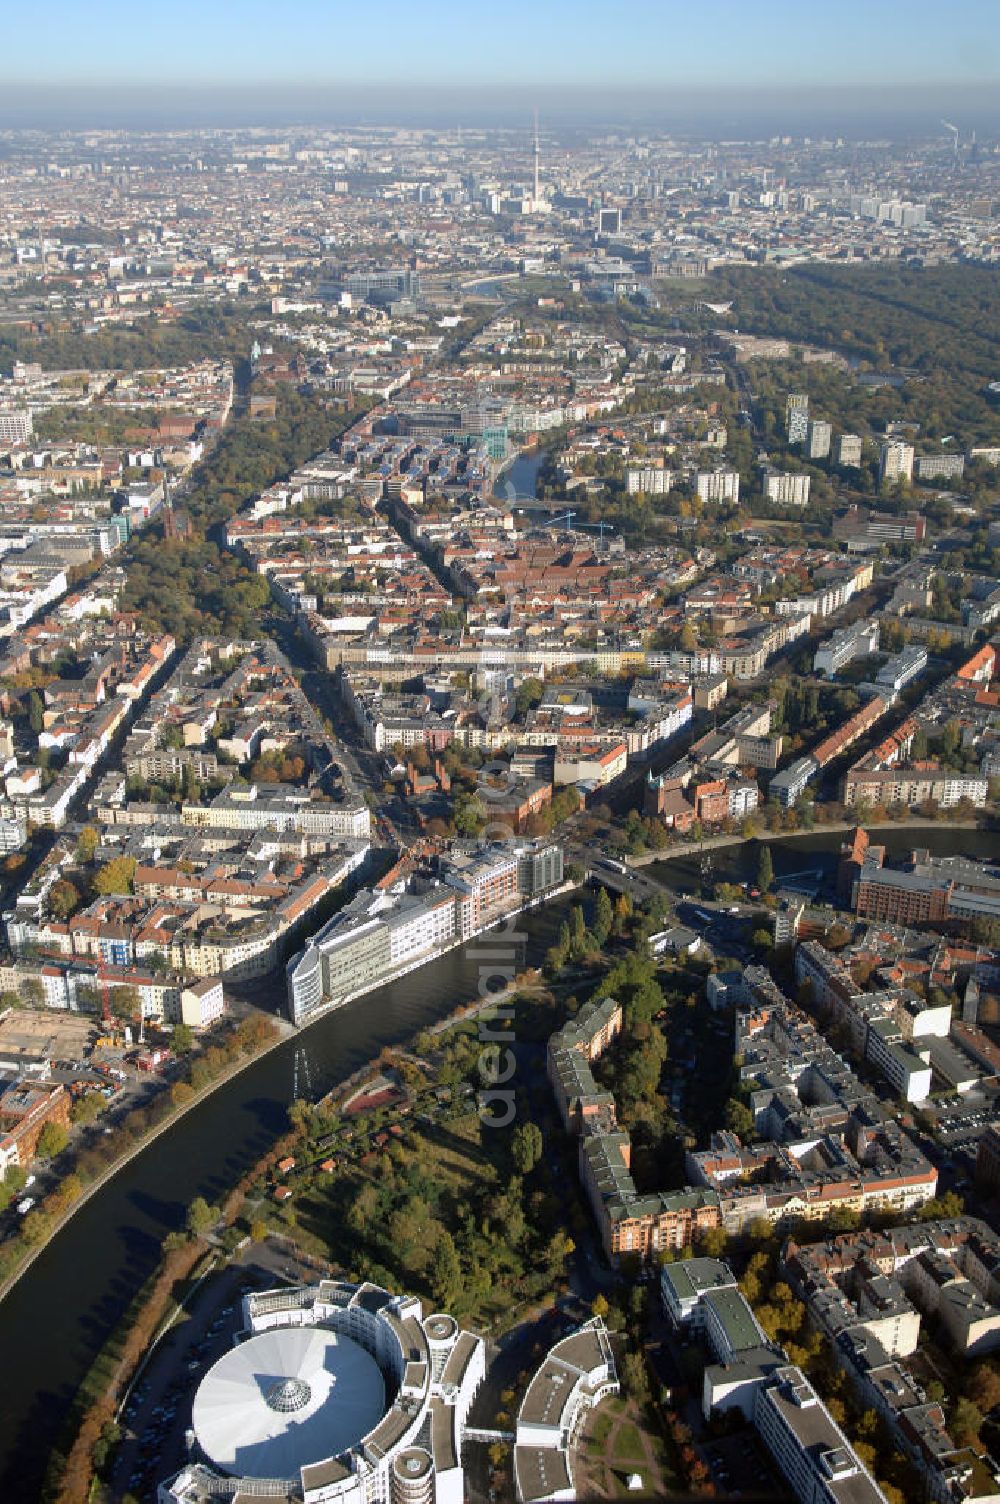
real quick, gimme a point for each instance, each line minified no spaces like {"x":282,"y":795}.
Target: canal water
{"x":520,"y":481}
{"x":60,"y":1312}
{"x":808,"y":862}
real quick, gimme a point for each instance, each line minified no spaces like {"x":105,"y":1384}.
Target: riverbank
{"x":765,"y":837}
{"x":497,"y":922}
{"x":155,"y":1132}
{"x":59,"y":1312}
{"x":285,"y":1032}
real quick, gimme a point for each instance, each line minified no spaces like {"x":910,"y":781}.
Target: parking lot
{"x":157,"y":1413}
{"x":741,"y":1469}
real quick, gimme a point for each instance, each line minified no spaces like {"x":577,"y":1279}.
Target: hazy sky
{"x":642,"y":43}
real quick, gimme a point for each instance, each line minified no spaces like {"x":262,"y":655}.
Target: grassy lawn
{"x":628,"y":1447}
{"x":452,"y":1153}
{"x":664,"y":1459}
{"x":601,"y":1428}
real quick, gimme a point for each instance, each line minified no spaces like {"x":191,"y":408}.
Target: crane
{"x":597,"y":527}
{"x":563,"y":517}
{"x":107,"y":1015}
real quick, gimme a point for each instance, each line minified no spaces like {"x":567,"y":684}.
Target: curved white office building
{"x":334,"y":1392}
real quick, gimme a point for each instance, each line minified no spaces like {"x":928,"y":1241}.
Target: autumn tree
{"x":116,"y":876}
{"x":983,"y":1388}
{"x":64,"y":899}
{"x":86,"y":844}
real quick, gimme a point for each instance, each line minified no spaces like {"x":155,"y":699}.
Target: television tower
{"x":538,"y":195}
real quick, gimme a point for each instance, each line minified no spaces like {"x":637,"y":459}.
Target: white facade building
{"x":787,"y":488}
{"x":895,"y":462}
{"x":300,"y":1402}
{"x":649,"y":480}
{"x":718,"y":485}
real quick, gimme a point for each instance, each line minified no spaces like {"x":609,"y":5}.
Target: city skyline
{"x":500,"y":753}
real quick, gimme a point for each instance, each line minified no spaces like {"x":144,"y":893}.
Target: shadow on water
{"x":169,"y":1214}
{"x":55,"y":1320}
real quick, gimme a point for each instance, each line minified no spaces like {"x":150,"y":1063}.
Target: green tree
{"x":446,"y":1271}
{"x":951,"y":738}
{"x":949,"y":1205}
{"x":603,"y":917}
{"x":182,"y":1039}
{"x":526,"y":1147}
{"x":635,"y":1377}
{"x":739,"y":1118}
{"x":200,"y":1217}
{"x":765,"y":870}
{"x":577,"y":928}
{"x":965,"y":1422}
{"x":527,"y":695}
{"x":712,"y":1243}
{"x":52,"y":1140}
{"x":36,"y":711}
{"x":469,"y":816}
{"x":363,"y":1209}
{"x":88,"y":1108}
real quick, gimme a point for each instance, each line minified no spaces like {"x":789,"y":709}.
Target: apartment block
{"x":895,"y":462}
{"x":847,"y":451}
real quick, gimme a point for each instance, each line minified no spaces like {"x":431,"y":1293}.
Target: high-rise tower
{"x":538,"y":195}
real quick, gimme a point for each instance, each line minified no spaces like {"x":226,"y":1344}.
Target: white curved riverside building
{"x":334,"y":1392}
{"x":577,"y":1373}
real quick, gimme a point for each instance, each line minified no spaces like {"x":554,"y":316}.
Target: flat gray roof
{"x":735,"y":1317}
{"x":540,"y":1472}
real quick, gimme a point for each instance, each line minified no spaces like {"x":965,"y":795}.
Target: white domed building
{"x":334,"y":1392}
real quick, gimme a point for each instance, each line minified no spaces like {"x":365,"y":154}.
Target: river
{"x":59,"y":1313}
{"x":809,"y":860}
{"x":520,"y":481}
